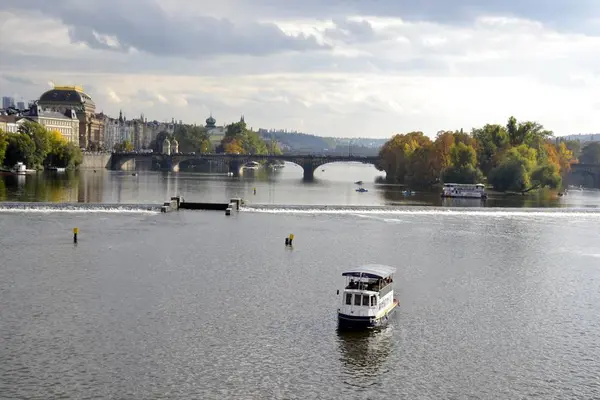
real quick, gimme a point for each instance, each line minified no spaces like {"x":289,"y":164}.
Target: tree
{"x":156,"y":144}
{"x":510,"y":175}
{"x":192,"y":138}
{"x":590,"y":154}
{"x":124,"y":147}
{"x":41,"y":138}
{"x":20,"y":148}
{"x":3,"y":145}
{"x":239,"y":139}
{"x":491,"y":139}
{"x":273,"y":148}
{"x":396,"y":155}
{"x":546,"y":176}
{"x":574,"y":146}
{"x":565,"y":158}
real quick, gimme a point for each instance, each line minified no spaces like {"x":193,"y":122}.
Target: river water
{"x":496,"y":302}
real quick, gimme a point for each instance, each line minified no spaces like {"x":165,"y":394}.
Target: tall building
{"x":8,"y":102}
{"x":21,"y":105}
{"x":63,"y":98}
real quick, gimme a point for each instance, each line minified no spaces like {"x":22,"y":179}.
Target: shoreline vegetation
{"x":38,"y":148}
{"x":517,"y":158}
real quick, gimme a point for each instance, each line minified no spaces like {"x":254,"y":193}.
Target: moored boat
{"x":251,"y":165}
{"x":368,"y":297}
{"x":21,"y":169}
{"x":463,"y":190}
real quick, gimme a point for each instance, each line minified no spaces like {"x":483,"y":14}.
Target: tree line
{"x":37,"y":147}
{"x":518,"y":156}
{"x":238,"y":139}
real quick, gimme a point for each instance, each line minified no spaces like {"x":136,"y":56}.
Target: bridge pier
{"x":309,"y":171}
{"x":234,"y":167}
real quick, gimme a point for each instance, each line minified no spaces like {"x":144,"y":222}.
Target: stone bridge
{"x":587,"y":170}
{"x":309,"y":163}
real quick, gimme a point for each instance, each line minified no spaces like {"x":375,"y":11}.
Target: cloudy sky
{"x":367,"y":68}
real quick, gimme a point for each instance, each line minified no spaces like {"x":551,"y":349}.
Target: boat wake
{"x":21,"y":207}
{"x":363,"y":211}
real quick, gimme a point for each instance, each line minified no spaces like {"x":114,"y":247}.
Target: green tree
{"x":3,"y":145}
{"x":462,"y":174}
{"x":273,"y":148}
{"x":20,"y":148}
{"x":510,"y":175}
{"x":41,"y":137}
{"x":590,"y":154}
{"x":547,"y":175}
{"x":491,"y":139}
{"x":192,"y":138}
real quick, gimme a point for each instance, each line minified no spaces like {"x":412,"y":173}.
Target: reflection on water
{"x":363,"y":354}
{"x":333,"y":185}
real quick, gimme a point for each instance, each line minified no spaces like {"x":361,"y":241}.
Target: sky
{"x":345,"y":68}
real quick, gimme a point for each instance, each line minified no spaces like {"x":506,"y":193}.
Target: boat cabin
{"x":368,"y":290}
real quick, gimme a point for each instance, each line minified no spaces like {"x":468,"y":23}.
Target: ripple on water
{"x":194,"y":305}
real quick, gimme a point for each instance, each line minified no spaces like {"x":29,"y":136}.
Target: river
{"x":497,"y":301}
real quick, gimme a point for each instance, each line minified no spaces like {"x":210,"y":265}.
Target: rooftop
{"x":371,"y":271}
{"x":66,"y":94}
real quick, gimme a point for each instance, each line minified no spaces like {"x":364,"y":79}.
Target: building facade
{"x":63,"y":98}
{"x":66,"y":123}
{"x":10,"y":123}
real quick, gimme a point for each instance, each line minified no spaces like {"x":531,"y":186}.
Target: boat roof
{"x":370,"y":271}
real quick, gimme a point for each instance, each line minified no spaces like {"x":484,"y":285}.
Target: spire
{"x":242,"y":118}
{"x":120,"y":115}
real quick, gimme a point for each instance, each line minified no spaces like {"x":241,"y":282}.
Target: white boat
{"x":21,"y":169}
{"x":464,"y":190}
{"x":251,"y":165}
{"x":368,"y":296}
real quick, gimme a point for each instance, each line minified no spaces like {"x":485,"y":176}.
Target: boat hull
{"x":353,"y":322}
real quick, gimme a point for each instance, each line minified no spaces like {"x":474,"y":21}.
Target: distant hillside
{"x":296,"y":142}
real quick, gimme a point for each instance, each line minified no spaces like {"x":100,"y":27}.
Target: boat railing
{"x":386,"y":286}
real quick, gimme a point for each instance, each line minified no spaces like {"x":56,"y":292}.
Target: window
{"x":365,"y":300}
{"x":349,"y":298}
{"x":357,"y":299}
{"x":373,"y":301}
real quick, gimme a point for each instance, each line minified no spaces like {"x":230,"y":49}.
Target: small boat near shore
{"x":361,"y":190}
{"x":251,"y":165}
{"x":368,"y":297}
{"x":21,"y":169}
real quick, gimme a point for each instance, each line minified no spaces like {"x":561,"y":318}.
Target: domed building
{"x":166,"y":147}
{"x":215,"y":133}
{"x":62,"y":98}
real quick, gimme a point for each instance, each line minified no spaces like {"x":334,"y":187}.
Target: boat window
{"x":365,"y":300}
{"x":373,"y":301}
{"x":357,"y":299}
{"x":349,"y":298}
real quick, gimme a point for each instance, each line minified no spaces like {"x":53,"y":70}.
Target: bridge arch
{"x":586,"y":170}
{"x":309,"y":163}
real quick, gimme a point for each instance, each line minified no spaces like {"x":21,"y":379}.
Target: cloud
{"x":343,"y":68}
{"x":18,"y":80}
{"x":145,"y":26}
